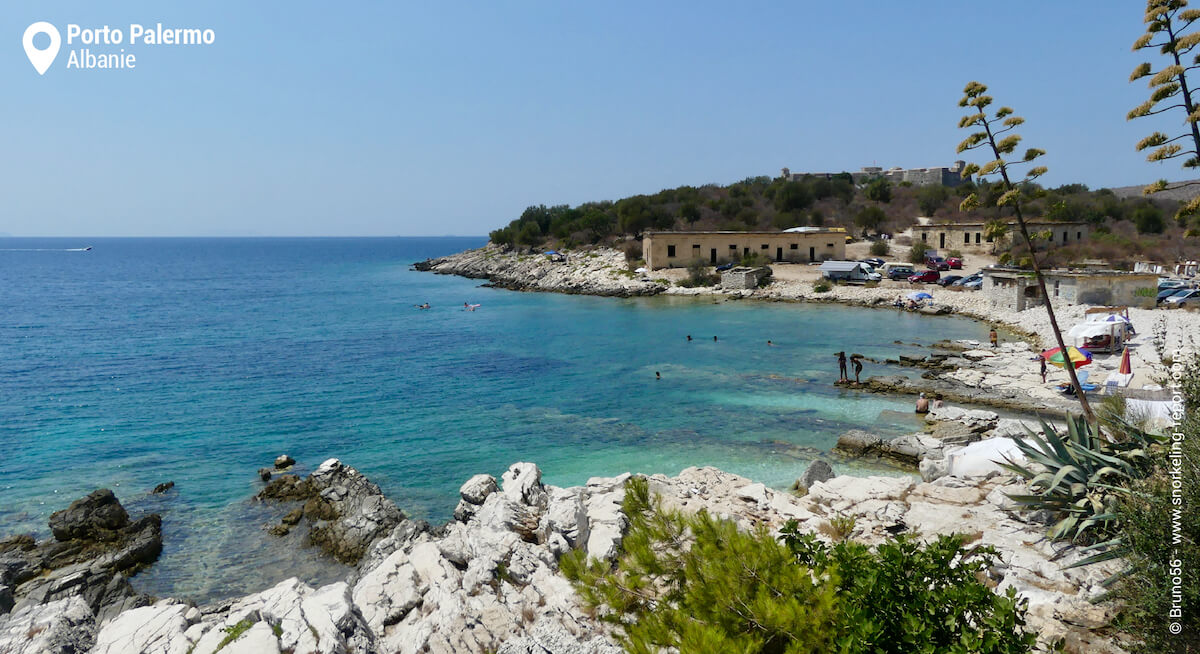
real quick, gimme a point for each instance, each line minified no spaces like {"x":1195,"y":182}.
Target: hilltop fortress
{"x":951,"y":176}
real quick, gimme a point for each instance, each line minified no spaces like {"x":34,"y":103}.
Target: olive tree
{"x":993,"y":134}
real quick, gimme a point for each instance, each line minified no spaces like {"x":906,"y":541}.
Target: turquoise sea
{"x":199,"y":360}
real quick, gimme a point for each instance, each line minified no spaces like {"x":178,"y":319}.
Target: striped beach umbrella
{"x":1076,"y":356}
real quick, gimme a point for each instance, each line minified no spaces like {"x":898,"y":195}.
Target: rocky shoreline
{"x":488,"y":581}
{"x":1003,"y":378}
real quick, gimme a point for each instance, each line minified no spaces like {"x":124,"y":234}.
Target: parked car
{"x":972,"y":282}
{"x":1164,"y":284}
{"x":875,"y":262}
{"x":900,"y":272}
{"x":949,"y":279}
{"x":925,"y":277}
{"x":955,"y":262}
{"x":936,"y":263}
{"x":1163,"y":294}
{"x":1188,"y":297}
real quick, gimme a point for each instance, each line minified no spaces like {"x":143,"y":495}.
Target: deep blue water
{"x":200,"y":360}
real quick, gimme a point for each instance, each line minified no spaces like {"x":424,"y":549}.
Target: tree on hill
{"x":870,"y":218}
{"x":991,"y":135}
{"x":879,"y":190}
{"x":931,"y":198}
{"x":1167,"y":22}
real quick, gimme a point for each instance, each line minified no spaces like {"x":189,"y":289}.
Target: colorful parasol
{"x":1076,"y":356}
{"x":1126,"y":368}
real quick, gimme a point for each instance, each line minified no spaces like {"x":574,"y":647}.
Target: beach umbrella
{"x":1126,"y":368}
{"x":550,"y":252}
{"x":1076,"y":356}
{"x":920,"y":295}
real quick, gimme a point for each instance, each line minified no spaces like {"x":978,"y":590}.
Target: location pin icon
{"x":41,"y":59}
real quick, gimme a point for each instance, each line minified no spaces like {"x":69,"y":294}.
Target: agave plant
{"x":1079,"y":476}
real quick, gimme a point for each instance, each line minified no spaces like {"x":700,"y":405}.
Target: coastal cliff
{"x":488,"y":581}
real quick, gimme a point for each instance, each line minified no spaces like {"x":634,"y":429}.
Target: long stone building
{"x":680,"y":249}
{"x":971,"y":236}
{"x":936,"y":176}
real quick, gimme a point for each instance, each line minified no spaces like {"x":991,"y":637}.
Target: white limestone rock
{"x":157,"y":629}
{"x":65,"y":626}
{"x":522,"y":482}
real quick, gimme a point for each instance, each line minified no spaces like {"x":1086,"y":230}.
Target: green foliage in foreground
{"x":1155,"y":553}
{"x":698,"y":584}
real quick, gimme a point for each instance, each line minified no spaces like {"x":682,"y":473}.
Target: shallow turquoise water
{"x":200,"y":360}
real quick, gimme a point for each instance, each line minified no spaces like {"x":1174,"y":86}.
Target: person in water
{"x":857,"y":361}
{"x":769,"y":343}
{"x":714,"y":339}
{"x":657,"y":375}
{"x":842,"y":376}
{"x":922,"y":404}
{"x":689,"y":338}
{"x":993,"y":337}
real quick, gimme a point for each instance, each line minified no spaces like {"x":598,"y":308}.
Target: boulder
{"x":522,"y":482}
{"x":353,"y":511}
{"x":159,"y":629}
{"x":163,"y":487}
{"x":857,"y":442}
{"x":346,"y":511}
{"x":91,"y":517}
{"x":818,"y":470}
{"x":284,"y":461}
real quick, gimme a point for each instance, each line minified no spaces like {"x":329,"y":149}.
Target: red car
{"x":936,"y":263}
{"x":955,"y":262}
{"x":926,"y":277}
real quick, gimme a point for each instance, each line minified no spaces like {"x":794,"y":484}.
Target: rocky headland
{"x":488,"y":581}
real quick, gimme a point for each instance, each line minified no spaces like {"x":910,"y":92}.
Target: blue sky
{"x":389,"y":118}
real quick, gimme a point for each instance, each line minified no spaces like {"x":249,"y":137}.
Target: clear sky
{"x":433,"y":118}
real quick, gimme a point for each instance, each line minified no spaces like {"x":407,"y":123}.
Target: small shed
{"x":845,"y":271}
{"x":743,"y":277}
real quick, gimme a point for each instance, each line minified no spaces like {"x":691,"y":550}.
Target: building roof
{"x":840,"y":266}
{"x":1007,"y":222}
{"x":825,"y":230}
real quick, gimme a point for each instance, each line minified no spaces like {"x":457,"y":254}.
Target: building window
{"x":829,"y":245}
{"x":1078,"y":236}
{"x":764,"y":246}
{"x":1056,"y":283}
{"x":977,"y":235}
{"x":924,"y":237}
{"x":733,"y":247}
{"x":989,"y":238}
{"x":670,"y":250}
{"x":966,"y":238}
{"x":795,"y":246}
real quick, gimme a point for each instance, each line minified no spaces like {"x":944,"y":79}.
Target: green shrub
{"x":698,"y":275}
{"x":698,"y":584}
{"x":822,"y":286}
{"x":916,"y":253}
{"x":880,"y":249}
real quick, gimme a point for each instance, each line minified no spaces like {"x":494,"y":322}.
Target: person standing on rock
{"x":857,"y":361}
{"x":922,"y":404}
{"x":993,"y":337}
{"x":842,"y":376}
